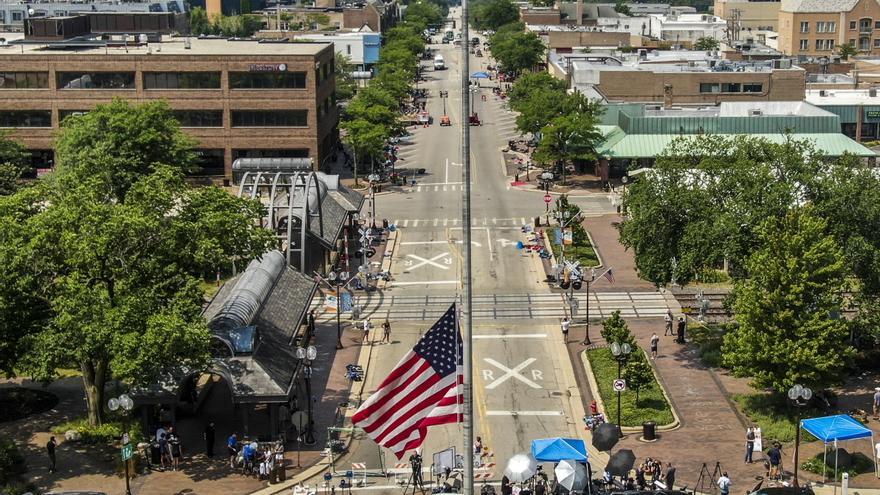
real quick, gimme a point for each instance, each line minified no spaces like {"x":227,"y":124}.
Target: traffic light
{"x":576,"y":283}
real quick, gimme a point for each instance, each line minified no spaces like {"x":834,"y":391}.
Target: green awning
{"x":618,"y":144}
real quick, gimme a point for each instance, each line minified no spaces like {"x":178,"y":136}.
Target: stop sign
{"x":548,"y":198}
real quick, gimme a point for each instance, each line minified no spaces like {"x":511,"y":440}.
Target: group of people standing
{"x":648,"y":475}
{"x":170,"y":448}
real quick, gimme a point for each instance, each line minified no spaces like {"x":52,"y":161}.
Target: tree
{"x":492,"y":14}
{"x":198,"y":21}
{"x":622,"y":8}
{"x":13,"y":164}
{"x":787,"y":333}
{"x":847,"y":50}
{"x":519,"y":52}
{"x":532,"y":84}
{"x":365,"y":139}
{"x":424,"y":12}
{"x":706,"y":43}
{"x":345,"y":83}
{"x":111,"y":251}
{"x":638,"y":375}
{"x":615,"y":329}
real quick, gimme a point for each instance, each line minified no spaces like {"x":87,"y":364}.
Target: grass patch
{"x":860,"y":464}
{"x":652,"y":404}
{"x":583,"y":252}
{"x":108,"y":432}
{"x":775,"y":415}
{"x":20,"y":402}
{"x":708,"y":339}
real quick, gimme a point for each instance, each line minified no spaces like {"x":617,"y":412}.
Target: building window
{"x":209,"y":162}
{"x":270,"y":118}
{"x":824,"y":45}
{"x":805,"y":27}
{"x":17,"y":15}
{"x":753,"y":87}
{"x":852,"y":25}
{"x":805,"y":45}
{"x":63,"y":114}
{"x":825,"y":27}
{"x":96,"y":80}
{"x":876,"y":42}
{"x":199,"y":118}
{"x":348,"y":49}
{"x":864,"y":44}
{"x":731,"y":88}
{"x":25,"y":118}
{"x":876,"y":24}
{"x":710,"y":87}
{"x":181,"y":80}
{"x":866,"y":25}
{"x":24,"y":80}
{"x":267,"y":80}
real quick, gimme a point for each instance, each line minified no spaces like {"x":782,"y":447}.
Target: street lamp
{"x":126,"y":404}
{"x":337,"y":277}
{"x":621,"y":354}
{"x":800,"y":397}
{"x":373,"y":179}
{"x":307,"y":355}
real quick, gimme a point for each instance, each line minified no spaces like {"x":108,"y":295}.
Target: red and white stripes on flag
{"x":424,"y":389}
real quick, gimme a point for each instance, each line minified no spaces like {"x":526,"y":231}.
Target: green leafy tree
{"x":345,"y":83}
{"x":365,"y":139}
{"x":492,"y":14}
{"x":638,"y":375}
{"x":615,"y":329}
{"x":424,"y":12}
{"x":531,"y":84}
{"x":198,"y":21}
{"x":622,"y":8}
{"x":847,"y":50}
{"x":13,"y":164}
{"x":114,"y":246}
{"x":706,"y":43}
{"x":787,"y":334}
{"x":519,"y":52}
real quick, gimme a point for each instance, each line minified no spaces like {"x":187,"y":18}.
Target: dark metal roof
{"x":249,"y":293}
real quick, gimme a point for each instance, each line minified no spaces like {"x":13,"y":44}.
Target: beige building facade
{"x":750,"y":14}
{"x":817,"y":27}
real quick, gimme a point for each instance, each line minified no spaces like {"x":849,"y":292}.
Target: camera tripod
{"x":414,"y":482}
{"x":710,"y":477}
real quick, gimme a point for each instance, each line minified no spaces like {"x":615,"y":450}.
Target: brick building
{"x":236,"y":98}
{"x":817,"y":27}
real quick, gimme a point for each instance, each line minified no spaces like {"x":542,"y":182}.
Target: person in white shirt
{"x":724,"y":483}
{"x":366,"y":327}
{"x":566,"y":324}
{"x":160,"y":432}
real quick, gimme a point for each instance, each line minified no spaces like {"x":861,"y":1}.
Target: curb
{"x":676,"y":421}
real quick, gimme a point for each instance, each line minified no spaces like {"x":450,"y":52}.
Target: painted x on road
{"x":510,"y":373}
{"x":423,"y":261}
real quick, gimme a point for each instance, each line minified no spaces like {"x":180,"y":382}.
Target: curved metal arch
{"x":272,"y":200}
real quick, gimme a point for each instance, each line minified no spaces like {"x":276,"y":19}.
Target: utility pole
{"x":467,"y":300}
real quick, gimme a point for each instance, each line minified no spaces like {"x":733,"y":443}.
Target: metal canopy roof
{"x":248,"y":294}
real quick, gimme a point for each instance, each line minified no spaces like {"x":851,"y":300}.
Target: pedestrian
{"x":668,"y":319}
{"x":594,"y":408}
{"x":209,"y":439}
{"x":366,"y":327}
{"x":670,"y":476}
{"x":478,"y":451}
{"x":655,"y":340}
{"x":505,"y":485}
{"x":724,"y":483}
{"x":876,"y":402}
{"x":640,"y":478}
{"x":232,"y":449}
{"x":386,"y":331}
{"x":750,"y":444}
{"x":50,"y":449}
{"x":176,"y":450}
{"x":774,"y":455}
{"x":566,"y":324}
{"x":164,"y":458}
{"x":681,"y":326}
{"x":160,"y":432}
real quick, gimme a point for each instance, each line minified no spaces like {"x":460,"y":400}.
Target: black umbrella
{"x":605,"y":437}
{"x":621,"y":462}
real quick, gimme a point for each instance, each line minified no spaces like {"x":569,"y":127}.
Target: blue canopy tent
{"x":833,"y":429}
{"x":559,"y":449}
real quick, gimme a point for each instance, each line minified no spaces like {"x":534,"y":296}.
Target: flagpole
{"x":467,"y":361}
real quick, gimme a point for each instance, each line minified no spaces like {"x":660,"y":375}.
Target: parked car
{"x":444,"y":120}
{"x":783,"y":490}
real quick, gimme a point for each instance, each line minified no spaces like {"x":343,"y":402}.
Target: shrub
{"x":105,"y":433}
{"x":860,"y":464}
{"x":708,"y":339}
{"x":12,"y":466}
{"x":775,"y":415}
{"x":652,"y":405}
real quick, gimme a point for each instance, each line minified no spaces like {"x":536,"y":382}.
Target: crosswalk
{"x":508,"y":222}
{"x":507,"y":306}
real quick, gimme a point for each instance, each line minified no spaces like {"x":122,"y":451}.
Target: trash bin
{"x":649,"y":430}
{"x":155,"y":455}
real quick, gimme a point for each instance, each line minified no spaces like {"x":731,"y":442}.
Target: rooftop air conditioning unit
{"x":653,"y":107}
{"x":823,"y":93}
{"x":755,"y":112}
{"x":872,"y":92}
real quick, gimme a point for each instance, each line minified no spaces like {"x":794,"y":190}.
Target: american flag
{"x":608,"y":276}
{"x":423,"y":390}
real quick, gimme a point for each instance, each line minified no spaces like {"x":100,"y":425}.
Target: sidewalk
{"x":603,"y":230}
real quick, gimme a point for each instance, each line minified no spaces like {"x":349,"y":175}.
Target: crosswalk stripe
{"x":415,"y":223}
{"x":444,"y":188}
{"x":436,"y":221}
{"x":406,"y":223}
{"x":436,"y":188}
{"x":419,"y":189}
{"x":445,"y":222}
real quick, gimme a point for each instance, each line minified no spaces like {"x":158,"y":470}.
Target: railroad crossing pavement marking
{"x":511,"y":373}
{"x":423,"y":261}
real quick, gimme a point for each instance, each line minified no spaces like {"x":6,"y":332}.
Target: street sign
{"x":548,"y":198}
{"x":619,"y":385}
{"x":127,"y":451}
{"x":300,"y":420}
